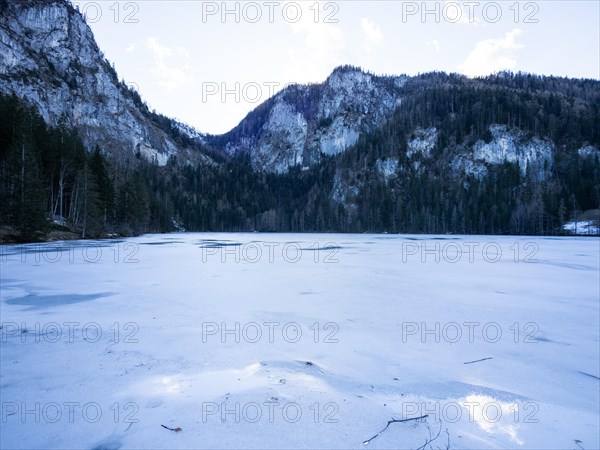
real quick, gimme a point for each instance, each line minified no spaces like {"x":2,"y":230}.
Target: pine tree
{"x":99,"y":171}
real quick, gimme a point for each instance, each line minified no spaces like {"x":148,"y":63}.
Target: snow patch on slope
{"x":583,"y":227}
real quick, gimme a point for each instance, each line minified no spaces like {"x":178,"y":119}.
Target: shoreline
{"x":58,"y":236}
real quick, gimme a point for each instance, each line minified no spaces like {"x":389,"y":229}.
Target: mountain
{"x":433,"y":153}
{"x":49,"y":57}
{"x":509,"y":153}
{"x":302,"y":123}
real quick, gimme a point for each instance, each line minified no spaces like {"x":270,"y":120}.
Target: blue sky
{"x":209,"y":63}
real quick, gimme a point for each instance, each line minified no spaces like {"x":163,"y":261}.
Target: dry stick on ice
{"x":395,"y":421}
{"x":479,"y":360}
{"x":431,"y":438}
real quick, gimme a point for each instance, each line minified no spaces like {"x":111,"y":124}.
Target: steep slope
{"x":48,"y":56}
{"x":303,"y":122}
{"x":513,"y":153}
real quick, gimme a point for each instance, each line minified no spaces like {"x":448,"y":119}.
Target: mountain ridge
{"x":305,"y":121}
{"x":433,"y":153}
{"x":50,"y":58}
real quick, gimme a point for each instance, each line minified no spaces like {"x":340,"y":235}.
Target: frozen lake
{"x":301,"y":341}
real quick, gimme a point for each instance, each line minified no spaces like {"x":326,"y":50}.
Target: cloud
{"x":372,"y":32}
{"x":170,"y":77}
{"x":460,"y":13}
{"x":159,"y":50}
{"x":492,"y":55}
{"x":320,"y":50}
{"x":434,"y":43}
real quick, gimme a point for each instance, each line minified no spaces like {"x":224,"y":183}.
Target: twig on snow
{"x":431,"y":439}
{"x":448,"y":440}
{"x":395,"y":421}
{"x":479,"y":360}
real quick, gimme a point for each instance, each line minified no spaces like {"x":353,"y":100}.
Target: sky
{"x":208,"y":63}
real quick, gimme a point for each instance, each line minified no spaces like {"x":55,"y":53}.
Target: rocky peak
{"x":303,"y":122}
{"x":48,"y":56}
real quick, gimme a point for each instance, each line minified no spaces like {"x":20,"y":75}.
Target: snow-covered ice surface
{"x":301,"y":341}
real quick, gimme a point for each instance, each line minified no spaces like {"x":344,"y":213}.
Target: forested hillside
{"x":512,"y":153}
{"x":440,"y":193}
{"x":50,"y":181}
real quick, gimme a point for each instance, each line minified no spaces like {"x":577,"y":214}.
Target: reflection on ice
{"x":205,"y":385}
{"x":497,"y":417}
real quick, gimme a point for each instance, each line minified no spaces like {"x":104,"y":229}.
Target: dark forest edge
{"x":52,"y":187}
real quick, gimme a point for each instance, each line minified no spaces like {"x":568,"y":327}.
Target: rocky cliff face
{"x":300,"y":124}
{"x":531,"y":153}
{"x":48,"y":56}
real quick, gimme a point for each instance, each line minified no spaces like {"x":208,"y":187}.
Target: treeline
{"x":502,"y":202}
{"x":563,"y":110}
{"x":49,"y":180}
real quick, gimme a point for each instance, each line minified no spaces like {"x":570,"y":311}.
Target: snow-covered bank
{"x":301,"y":341}
{"x":583,"y":227}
